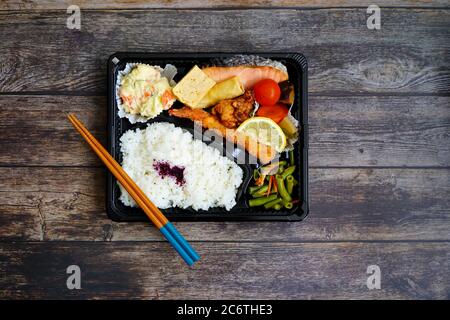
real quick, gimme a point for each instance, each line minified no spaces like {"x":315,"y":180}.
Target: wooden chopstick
{"x":168,"y":230}
{"x":154,"y":210}
{"x":155,"y":215}
{"x":118,"y":173}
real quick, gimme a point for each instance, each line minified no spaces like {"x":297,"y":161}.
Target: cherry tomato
{"x":267,"y":92}
{"x":277,"y":112}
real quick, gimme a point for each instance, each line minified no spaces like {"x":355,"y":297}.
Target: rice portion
{"x":210,"y":180}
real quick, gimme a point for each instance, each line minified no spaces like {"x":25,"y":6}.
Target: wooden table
{"x":379,"y":153}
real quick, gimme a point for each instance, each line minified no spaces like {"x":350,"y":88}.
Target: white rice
{"x":211,"y":180}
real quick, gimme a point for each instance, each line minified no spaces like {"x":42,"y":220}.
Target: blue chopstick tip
{"x":180,"y":244}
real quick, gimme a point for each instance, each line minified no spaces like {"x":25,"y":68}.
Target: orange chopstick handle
{"x":180,"y":244}
{"x":119,"y":177}
{"x":139,"y":192}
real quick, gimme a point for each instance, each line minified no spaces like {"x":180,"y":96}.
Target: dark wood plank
{"x":346,"y":204}
{"x":180,"y":4}
{"x":44,"y":135}
{"x":226,"y":271}
{"x":409,"y":54}
{"x":344,"y":131}
{"x":379,"y":131}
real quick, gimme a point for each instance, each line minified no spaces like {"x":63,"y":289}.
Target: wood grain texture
{"x":344,"y":131}
{"x":226,"y":271}
{"x":409,"y":53}
{"x":202,"y":4}
{"x":346,"y":204}
{"x":46,"y":137}
{"x":379,"y":102}
{"x":379,"y":131}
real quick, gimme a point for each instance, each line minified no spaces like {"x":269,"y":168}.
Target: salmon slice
{"x":248,"y":75}
{"x":264,"y":153}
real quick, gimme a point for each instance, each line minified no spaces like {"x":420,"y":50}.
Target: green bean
{"x":261,"y":201}
{"x":288,"y":171}
{"x":282,"y":189}
{"x":277,"y":206}
{"x":258,"y":195}
{"x":261,"y":191}
{"x":289,"y":183}
{"x":280,"y":169}
{"x":270,"y":204}
{"x":288,"y":205}
{"x":256,"y":174}
{"x":253,"y":189}
{"x":295,"y":182}
{"x":291,"y":157}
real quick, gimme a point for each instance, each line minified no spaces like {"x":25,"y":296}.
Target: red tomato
{"x":267,"y":92}
{"x":277,"y":112}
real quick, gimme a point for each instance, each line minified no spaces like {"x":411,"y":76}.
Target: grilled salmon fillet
{"x":248,"y":75}
{"x":261,"y":151}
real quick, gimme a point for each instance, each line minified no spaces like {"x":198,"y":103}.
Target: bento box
{"x":296,"y":66}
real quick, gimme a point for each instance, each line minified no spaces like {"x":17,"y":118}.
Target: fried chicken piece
{"x":207,"y":120}
{"x":224,"y":112}
{"x":232,"y":112}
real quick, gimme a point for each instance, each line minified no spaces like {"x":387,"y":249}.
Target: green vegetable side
{"x":274,"y":185}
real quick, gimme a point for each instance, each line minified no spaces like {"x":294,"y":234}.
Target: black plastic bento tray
{"x":297,"y":69}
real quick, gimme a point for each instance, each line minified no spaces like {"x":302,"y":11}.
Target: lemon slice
{"x":264,"y":130}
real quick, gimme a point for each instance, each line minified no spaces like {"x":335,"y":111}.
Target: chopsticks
{"x":155,"y":215}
